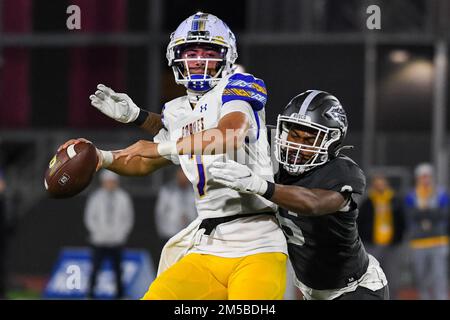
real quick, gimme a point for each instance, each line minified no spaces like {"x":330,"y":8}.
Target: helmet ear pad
{"x":333,"y":142}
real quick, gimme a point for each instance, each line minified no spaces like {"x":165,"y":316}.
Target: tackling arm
{"x":308,"y":202}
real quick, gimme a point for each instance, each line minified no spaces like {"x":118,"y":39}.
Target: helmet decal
{"x":337,"y":113}
{"x":199,"y":22}
{"x":304,"y":107}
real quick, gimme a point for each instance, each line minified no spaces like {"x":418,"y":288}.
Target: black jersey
{"x":326,"y":251}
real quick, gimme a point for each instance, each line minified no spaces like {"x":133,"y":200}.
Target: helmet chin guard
{"x":199,"y":83}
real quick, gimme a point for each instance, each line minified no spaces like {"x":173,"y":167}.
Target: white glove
{"x":117,"y":106}
{"x":238,"y":177}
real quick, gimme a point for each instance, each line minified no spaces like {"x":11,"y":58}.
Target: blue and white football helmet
{"x":201,"y":28}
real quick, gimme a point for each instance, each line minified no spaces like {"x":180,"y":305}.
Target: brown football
{"x":71,"y":170}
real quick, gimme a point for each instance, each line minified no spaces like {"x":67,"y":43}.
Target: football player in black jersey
{"x":316,"y":187}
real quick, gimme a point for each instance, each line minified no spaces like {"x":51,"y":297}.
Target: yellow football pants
{"x":259,"y":276}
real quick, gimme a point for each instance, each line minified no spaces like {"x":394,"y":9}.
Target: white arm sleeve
{"x":162,"y":136}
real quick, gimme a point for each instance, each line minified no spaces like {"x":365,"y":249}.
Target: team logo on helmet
{"x":297,"y":115}
{"x":337,"y":113}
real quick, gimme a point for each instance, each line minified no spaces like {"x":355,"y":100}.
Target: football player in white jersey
{"x":235,"y":248}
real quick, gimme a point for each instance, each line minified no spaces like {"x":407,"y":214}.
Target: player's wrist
{"x":269,"y":190}
{"x":107,"y":158}
{"x":167,"y":148}
{"x":139,"y":117}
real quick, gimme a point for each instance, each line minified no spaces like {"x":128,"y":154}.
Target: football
{"x":71,"y":170}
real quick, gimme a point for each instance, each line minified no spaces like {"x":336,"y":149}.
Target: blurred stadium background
{"x":393,"y":83}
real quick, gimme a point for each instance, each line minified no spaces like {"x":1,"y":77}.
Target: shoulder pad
{"x":244,"y":86}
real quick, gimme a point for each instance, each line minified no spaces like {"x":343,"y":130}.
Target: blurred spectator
{"x":175,"y":207}
{"x":109,"y":217}
{"x":427,"y":216}
{"x":3,"y":232}
{"x":381,"y":226}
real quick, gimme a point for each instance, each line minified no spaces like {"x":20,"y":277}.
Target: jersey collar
{"x":194,"y":97}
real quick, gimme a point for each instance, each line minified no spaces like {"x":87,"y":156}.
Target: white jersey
{"x":243,"y":236}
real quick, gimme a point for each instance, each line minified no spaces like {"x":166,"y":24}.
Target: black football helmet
{"x":316,"y":112}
